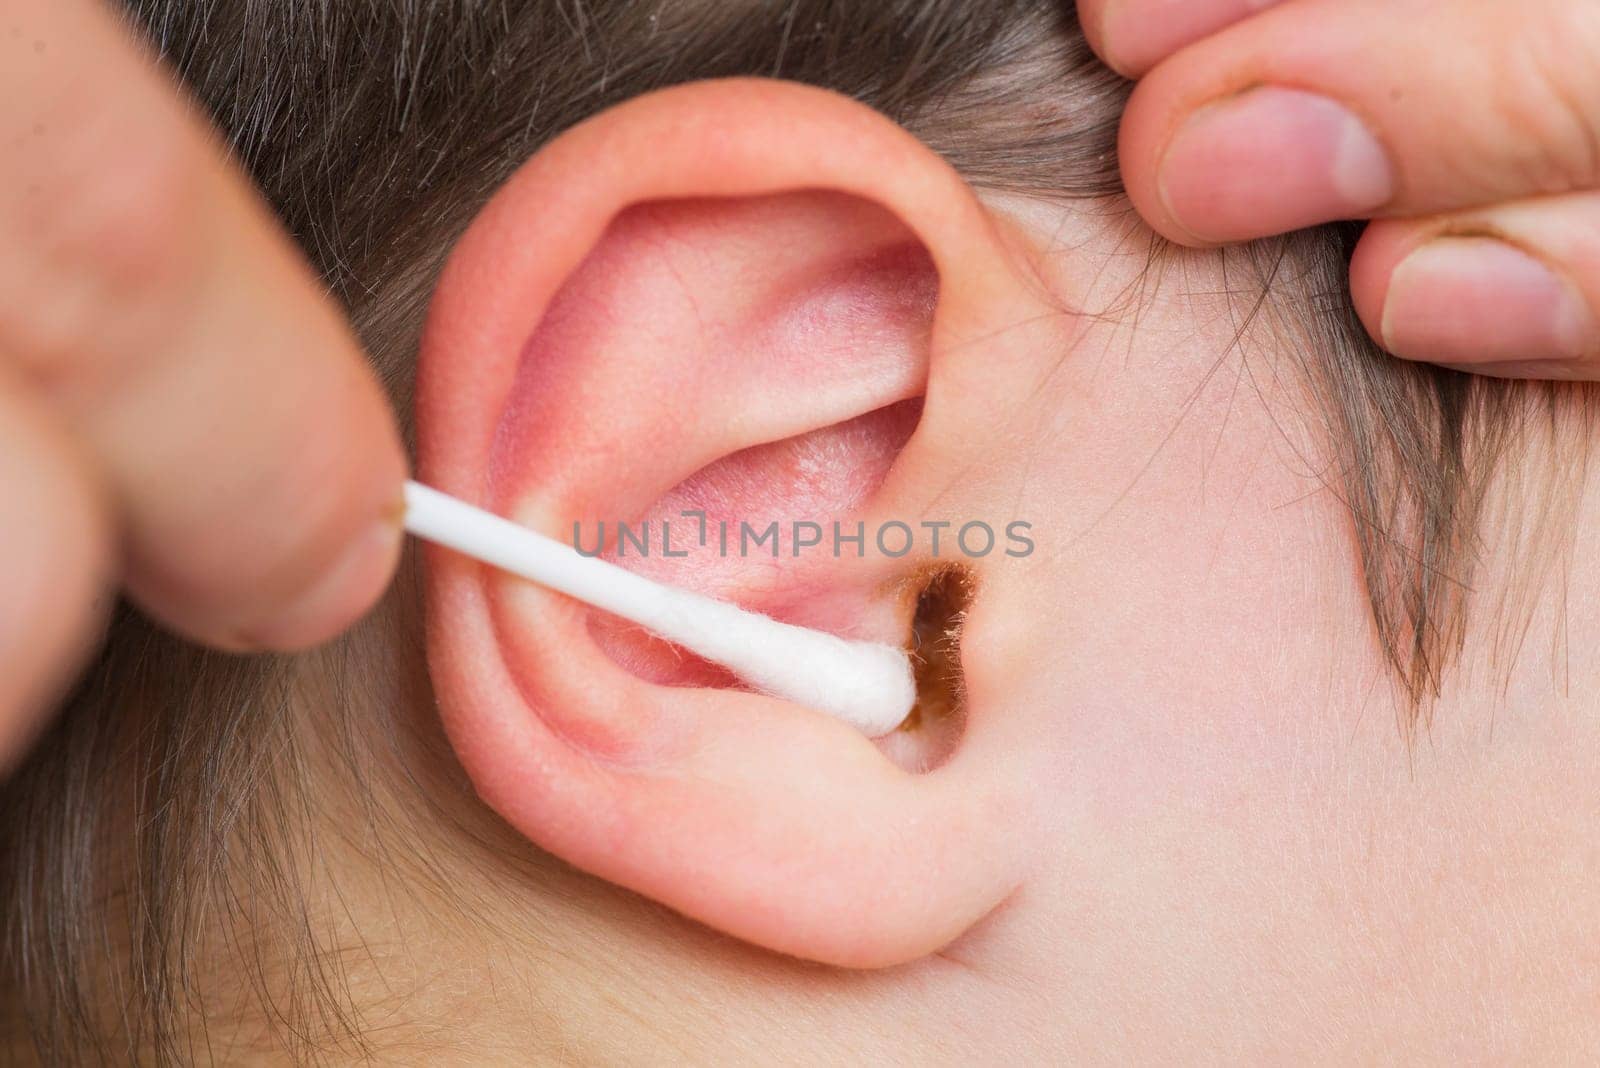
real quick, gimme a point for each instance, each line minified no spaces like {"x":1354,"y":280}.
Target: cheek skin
{"x":1225,"y":782}
{"x":1233,"y":826}
{"x":1192,"y":617}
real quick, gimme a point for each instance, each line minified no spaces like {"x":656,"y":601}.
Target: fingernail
{"x":1269,"y":161}
{"x":1478,"y":301}
{"x":341,"y":596}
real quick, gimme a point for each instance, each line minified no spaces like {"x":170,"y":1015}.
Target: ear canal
{"x":766,"y":527}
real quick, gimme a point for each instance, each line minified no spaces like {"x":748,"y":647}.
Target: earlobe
{"x":700,"y":302}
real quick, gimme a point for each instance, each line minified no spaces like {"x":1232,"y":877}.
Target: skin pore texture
{"x":1222,"y":841}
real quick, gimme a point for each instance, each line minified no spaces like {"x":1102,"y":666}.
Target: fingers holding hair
{"x":1509,"y":290}
{"x":1316,"y":110}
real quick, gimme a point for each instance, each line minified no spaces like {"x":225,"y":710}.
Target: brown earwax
{"x":933,"y":729}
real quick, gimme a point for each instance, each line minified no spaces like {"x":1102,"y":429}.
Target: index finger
{"x":150,"y":298}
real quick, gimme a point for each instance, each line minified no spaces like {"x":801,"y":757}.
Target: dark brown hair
{"x":377,"y":128}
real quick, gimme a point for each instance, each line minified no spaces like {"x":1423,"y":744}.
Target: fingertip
{"x":340,"y":595}
{"x":1382,"y":246}
{"x":1133,"y":36}
{"x":337,"y":548}
{"x":1267,"y":161}
{"x":1141,"y":141}
{"x":1473,"y":302}
{"x":289,"y":529}
{"x":1481,"y":300}
{"x":1091,"y":19}
{"x":356,"y":567}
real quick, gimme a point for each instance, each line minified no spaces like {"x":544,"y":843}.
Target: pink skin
{"x":187,"y":415}
{"x":813,"y":478}
{"x":1215,"y":810}
{"x":1517,"y":303}
{"x":1271,"y":160}
{"x":1135,"y":35}
{"x":651,"y":786}
{"x":1453,"y":118}
{"x":1179,"y":819}
{"x":1454,"y":296}
{"x":879,"y":289}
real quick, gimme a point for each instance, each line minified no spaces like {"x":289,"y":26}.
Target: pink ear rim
{"x":734,"y":138}
{"x":799,"y":821}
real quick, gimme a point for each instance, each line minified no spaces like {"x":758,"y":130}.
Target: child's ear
{"x":763,"y":303}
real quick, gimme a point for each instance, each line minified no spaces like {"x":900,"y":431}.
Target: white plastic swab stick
{"x":866,"y":684}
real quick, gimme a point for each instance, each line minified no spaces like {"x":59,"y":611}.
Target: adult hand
{"x":1470,"y":128}
{"x":182,"y":409}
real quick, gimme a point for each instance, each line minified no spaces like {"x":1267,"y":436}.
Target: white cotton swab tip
{"x":868,"y":685}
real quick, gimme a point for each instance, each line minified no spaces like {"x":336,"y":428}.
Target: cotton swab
{"x":866,"y":684}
